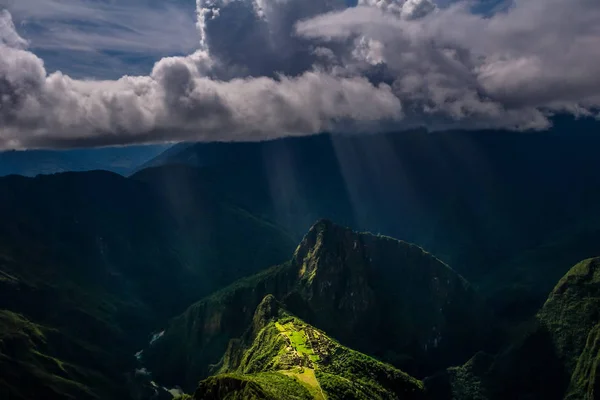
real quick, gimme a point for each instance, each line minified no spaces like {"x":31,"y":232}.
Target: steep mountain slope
{"x":376,"y":294}
{"x":572,"y":310}
{"x":556,"y":359}
{"x":280,"y":356}
{"x":585,"y":381}
{"x":480,"y":201}
{"x":24,"y":355}
{"x":97,"y":260}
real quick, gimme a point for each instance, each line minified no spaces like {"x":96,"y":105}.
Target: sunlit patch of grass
{"x":298,"y":339}
{"x":306,"y":376}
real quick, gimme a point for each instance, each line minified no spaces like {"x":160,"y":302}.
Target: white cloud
{"x":8,"y":33}
{"x":268,"y":68}
{"x":175,"y":102}
{"x":137,"y":26}
{"x":510,"y":70}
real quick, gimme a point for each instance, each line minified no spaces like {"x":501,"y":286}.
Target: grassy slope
{"x":409,"y":307}
{"x":281,"y":344}
{"x":106,"y":259}
{"x":28,"y":371}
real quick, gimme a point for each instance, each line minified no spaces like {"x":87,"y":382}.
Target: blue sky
{"x":105,"y":39}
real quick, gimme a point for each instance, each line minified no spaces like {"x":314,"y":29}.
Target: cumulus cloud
{"x":175,"y":102}
{"x":269,"y":68}
{"x":511,"y":70}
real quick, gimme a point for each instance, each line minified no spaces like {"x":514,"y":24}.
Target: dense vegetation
{"x":178,"y":260}
{"x":376,"y":294}
{"x":85,"y":255}
{"x":510,"y":212}
{"x":556,"y":357}
{"x":283,"y":357}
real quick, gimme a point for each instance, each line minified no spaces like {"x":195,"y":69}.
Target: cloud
{"x":408,"y":9}
{"x":256,"y":37}
{"x":270,"y":68}
{"x":8,"y":35}
{"x":511,"y":70}
{"x":105,"y":39}
{"x":83,"y":25}
{"x":175,"y":102}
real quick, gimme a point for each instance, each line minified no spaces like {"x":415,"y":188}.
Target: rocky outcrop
{"x":408,"y":306}
{"x":585,"y":381}
{"x":572,"y":310}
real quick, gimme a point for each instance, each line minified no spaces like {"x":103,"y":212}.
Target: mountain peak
{"x":317,"y":233}
{"x":320,"y":249}
{"x":379,"y":295}
{"x":584,"y":274}
{"x":269,"y":309}
{"x":573,"y":309}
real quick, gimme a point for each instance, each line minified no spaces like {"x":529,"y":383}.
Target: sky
{"x":87,"y":73}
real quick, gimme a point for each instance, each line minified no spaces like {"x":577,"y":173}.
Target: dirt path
{"x":307,"y":377}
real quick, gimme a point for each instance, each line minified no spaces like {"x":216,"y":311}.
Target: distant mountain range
{"x":247,"y":271}
{"x":480,"y":201}
{"x":122,"y":160}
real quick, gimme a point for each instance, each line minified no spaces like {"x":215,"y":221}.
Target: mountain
{"x":508,"y":210}
{"x":556,"y":358}
{"x":122,"y":160}
{"x":245,"y":341}
{"x":116,"y":287}
{"x":281,"y":356}
{"x":91,"y":262}
{"x":375,"y":294}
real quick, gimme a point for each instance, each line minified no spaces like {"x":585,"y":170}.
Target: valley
{"x":255,"y":276}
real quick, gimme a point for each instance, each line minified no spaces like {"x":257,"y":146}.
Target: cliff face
{"x":572,"y":314}
{"x":558,"y":358}
{"x":194,"y":342}
{"x":387,"y":297}
{"x":585,"y":381}
{"x":376,"y":294}
{"x":573,"y":309}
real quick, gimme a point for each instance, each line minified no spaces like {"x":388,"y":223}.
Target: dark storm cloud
{"x":269,"y":68}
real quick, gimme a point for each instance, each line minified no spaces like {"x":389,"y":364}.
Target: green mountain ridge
{"x":98,"y":260}
{"x":481,"y":201}
{"x":281,"y":356}
{"x":374,"y":294}
{"x":557,"y":358}
{"x":179,"y":262}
